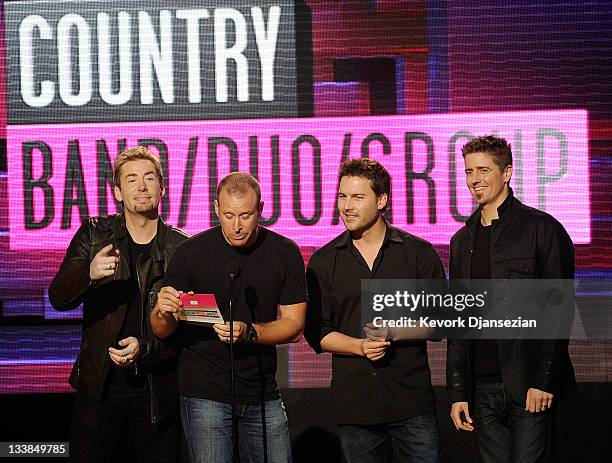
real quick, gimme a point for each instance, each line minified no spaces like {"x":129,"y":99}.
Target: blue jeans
{"x":506,"y":432}
{"x":411,"y":440}
{"x":208,"y":431}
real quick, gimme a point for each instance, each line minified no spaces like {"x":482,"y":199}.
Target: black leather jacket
{"x":525,"y":243}
{"x":105,"y":305}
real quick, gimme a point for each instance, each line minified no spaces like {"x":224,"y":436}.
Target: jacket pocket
{"x":521,"y":268}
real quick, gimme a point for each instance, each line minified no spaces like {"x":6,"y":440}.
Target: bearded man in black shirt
{"x":271,"y":277}
{"x":509,"y":387}
{"x":381,"y":392}
{"x":124,"y":376}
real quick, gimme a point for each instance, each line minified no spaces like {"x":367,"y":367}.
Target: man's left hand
{"x":126,"y":356}
{"x":538,"y":401}
{"x":223,"y":331}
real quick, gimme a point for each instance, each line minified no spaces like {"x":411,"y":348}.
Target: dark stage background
{"x":405,"y":82}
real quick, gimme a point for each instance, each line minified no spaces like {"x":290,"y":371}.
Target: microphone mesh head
{"x":232,"y":269}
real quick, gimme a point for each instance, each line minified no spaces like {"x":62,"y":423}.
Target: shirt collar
{"x":391,"y":234}
{"x":503,"y":210}
{"x":505,"y":207}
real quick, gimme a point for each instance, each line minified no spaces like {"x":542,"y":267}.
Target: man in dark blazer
{"x":506,"y":390}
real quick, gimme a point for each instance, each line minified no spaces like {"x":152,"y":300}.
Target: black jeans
{"x":98,"y":428}
{"x":415,"y":439}
{"x":506,"y":432}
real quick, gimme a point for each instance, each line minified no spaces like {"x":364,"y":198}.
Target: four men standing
{"x":381,"y":392}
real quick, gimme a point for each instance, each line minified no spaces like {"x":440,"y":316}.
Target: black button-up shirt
{"x":399,"y":385}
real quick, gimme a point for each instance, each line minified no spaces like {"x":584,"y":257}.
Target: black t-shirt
{"x":124,"y":378}
{"x":271,"y":274}
{"x":486,"y":359}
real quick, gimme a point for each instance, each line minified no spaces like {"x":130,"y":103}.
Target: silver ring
{"x":125,"y":359}
{"x":108,"y":266}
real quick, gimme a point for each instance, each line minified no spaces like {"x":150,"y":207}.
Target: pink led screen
{"x":297,"y":161}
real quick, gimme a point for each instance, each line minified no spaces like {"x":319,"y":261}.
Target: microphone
{"x":232,"y":269}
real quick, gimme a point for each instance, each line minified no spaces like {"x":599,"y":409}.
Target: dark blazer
{"x":105,"y":305}
{"x":525,"y":243}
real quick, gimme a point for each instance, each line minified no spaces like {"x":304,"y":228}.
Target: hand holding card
{"x":200,"y":308}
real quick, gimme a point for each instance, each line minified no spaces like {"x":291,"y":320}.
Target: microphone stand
{"x":232,"y":379}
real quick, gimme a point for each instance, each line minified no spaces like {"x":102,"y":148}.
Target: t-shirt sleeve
{"x":320,"y":314}
{"x":294,"y":284}
{"x":178,"y":273}
{"x":429,"y":265}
